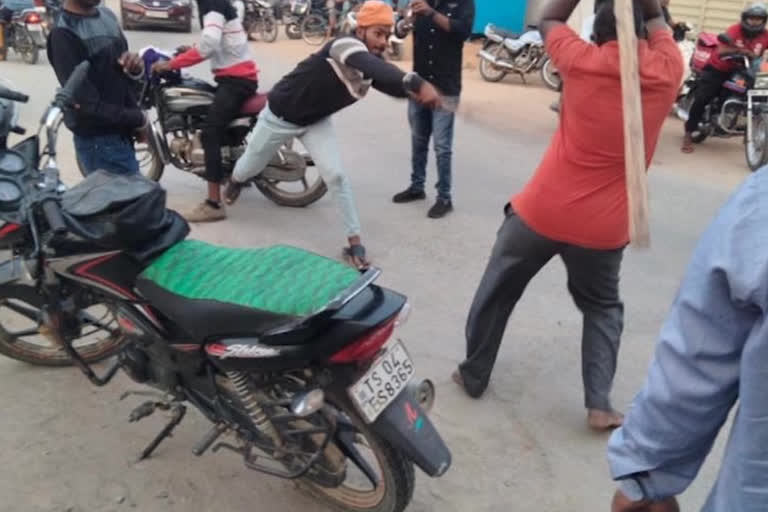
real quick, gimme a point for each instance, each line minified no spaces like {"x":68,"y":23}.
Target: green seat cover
{"x":279,"y":279}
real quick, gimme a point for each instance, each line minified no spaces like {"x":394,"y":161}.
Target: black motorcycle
{"x":291,"y":356}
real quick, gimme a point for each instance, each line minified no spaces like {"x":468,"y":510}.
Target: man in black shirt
{"x":107,"y":116}
{"x":439,"y":32}
{"x":302,"y":103}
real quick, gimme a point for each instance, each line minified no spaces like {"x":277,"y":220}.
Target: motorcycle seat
{"x":506,"y":34}
{"x":254,"y":105}
{"x":213,"y":291}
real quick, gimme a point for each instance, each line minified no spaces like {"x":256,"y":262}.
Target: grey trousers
{"x":593,"y":281}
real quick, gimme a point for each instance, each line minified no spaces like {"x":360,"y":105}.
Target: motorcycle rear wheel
{"x":310,"y":194}
{"x":23,"y":336}
{"x":397,"y":478}
{"x":488,"y":71}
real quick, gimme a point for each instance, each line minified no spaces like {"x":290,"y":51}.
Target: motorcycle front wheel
{"x":314,"y":30}
{"x":394,"y":472}
{"x":489,"y":71}
{"x":24,"y":337}
{"x":550,"y":75}
{"x":293,"y":31}
{"x":756,"y":151}
{"x":150,"y":164}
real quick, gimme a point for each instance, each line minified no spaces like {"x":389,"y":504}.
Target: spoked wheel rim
{"x":23,"y":333}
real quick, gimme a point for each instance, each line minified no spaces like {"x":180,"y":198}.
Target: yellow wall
{"x":708,"y":15}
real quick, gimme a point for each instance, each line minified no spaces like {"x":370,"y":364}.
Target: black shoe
{"x":440,"y":209}
{"x":409,"y":195}
{"x":232,"y":191}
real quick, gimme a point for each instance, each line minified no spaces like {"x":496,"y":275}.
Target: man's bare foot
{"x":458,"y":379}
{"x":687,"y":144}
{"x":604,"y":420}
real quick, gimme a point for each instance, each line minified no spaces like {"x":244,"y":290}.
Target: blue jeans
{"x":112,"y":153}
{"x":438,"y":124}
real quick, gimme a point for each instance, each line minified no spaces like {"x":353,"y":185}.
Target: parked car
{"x":157,"y":13}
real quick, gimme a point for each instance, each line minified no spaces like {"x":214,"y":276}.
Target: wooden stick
{"x":634,"y":140}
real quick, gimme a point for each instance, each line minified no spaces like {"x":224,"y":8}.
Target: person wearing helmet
{"x":302,"y":103}
{"x":748,"y":38}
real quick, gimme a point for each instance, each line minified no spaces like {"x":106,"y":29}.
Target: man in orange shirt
{"x":575,"y":206}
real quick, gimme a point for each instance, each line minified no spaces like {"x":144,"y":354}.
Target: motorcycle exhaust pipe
{"x":486,"y":55}
{"x":424,"y":393}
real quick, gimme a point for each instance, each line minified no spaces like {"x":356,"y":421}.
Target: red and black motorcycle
{"x":291,"y":356}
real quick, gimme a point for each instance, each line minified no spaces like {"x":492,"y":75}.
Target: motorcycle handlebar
{"x":8,"y":94}
{"x":65,"y":95}
{"x":52,"y":212}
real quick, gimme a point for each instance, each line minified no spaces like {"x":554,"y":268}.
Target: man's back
{"x":578,"y":194}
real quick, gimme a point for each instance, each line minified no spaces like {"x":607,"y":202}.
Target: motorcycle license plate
{"x":157,"y":14}
{"x":383,"y":382}
{"x":34,"y":27}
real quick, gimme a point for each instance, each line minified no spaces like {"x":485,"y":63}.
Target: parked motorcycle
{"x":291,"y":356}
{"x":741,"y":108}
{"x":25,"y":35}
{"x":259,"y":21}
{"x":181,"y":105}
{"x":506,"y":52}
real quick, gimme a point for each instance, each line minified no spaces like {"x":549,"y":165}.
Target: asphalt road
{"x":66,"y":446}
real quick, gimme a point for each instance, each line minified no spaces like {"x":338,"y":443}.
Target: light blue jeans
{"x":320,"y":140}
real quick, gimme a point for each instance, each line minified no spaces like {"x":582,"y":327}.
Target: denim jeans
{"x":112,"y":153}
{"x":437,"y":124}
{"x":320,"y":140}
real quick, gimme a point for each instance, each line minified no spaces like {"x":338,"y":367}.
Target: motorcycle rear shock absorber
{"x":255,"y":412}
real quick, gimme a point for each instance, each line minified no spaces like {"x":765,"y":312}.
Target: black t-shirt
{"x":437,"y":54}
{"x":334,"y":78}
{"x":107,"y":101}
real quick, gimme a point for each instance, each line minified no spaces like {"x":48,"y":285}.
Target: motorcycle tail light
{"x":32,"y":18}
{"x":366,"y":347}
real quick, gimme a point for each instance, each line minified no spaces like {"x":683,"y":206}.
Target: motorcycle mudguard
{"x":408,"y":428}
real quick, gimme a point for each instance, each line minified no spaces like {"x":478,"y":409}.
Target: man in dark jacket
{"x":106,"y":116}
{"x":439,"y":32}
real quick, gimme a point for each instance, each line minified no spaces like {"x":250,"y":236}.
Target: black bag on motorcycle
{"x":123,"y":212}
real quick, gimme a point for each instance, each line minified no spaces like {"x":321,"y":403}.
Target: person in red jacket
{"x":748,"y":38}
{"x":225,"y":45}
